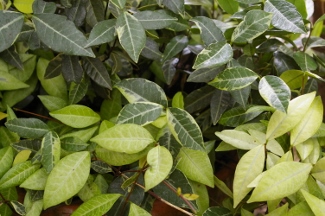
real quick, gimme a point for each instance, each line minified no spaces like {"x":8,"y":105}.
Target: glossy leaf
{"x":71,"y":69}
{"x":314,"y":203}
{"x":210,"y":33}
{"x":280,"y":181}
{"x":169,"y":69}
{"x":69,"y":39}
{"x":196,"y":166}
{"x":280,"y":123}
{"x":12,"y":57}
{"x":27,"y":127}
{"x":275,"y":92}
{"x":241,"y":96}
{"x":124,"y":138}
{"x":97,"y":205}
{"x":234,"y":78}
{"x":131,"y":35}
{"x":285,"y":16}
{"x":174,"y":46}
{"x":238,"y":139}
{"x":17,"y":174}
{"x":255,"y":23}
{"x":309,"y":123}
{"x":199,"y":99}
{"x":249,"y":166}
{"x":51,"y":151}
{"x":157,"y":19}
{"x":220,"y":101}
{"x":10,"y":26}
{"x":78,"y":91}
{"x":160,"y":163}
{"x":204,"y":74}
{"x":141,"y":90}
{"x":6,"y":159}
{"x":185,"y":129}
{"x":66,"y":178}
{"x":103,"y":32}
{"x":214,"y":55}
{"x":140,"y":113}
{"x":293,"y":78}
{"x":305,"y":61}
{"x":97,"y":71}
{"x":76,"y":116}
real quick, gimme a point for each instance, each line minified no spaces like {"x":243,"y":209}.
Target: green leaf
{"x":40,"y":176}
{"x":19,"y":208}
{"x":119,"y":3}
{"x":28,"y":127}
{"x":68,"y":39}
{"x":78,"y":91}
{"x":54,"y":68}
{"x":131,"y":35}
{"x":12,"y":57}
{"x":280,"y":123}
{"x":51,"y":150}
{"x":234,"y":78}
{"x":83,"y":134}
{"x":141,"y":113}
{"x":169,"y":69}
{"x":249,"y":166}
{"x":314,"y":203}
{"x":10,"y":26}
{"x":255,"y":23}
{"x":318,"y":171}
{"x":220,"y":101}
{"x":66,"y":178}
{"x":217,"y":211}
{"x":241,"y":96}
{"x":141,"y":90}
{"x":6,"y":159}
{"x":230,"y":6}
{"x":52,"y":103}
{"x":157,"y":19}
{"x":223,"y":187}
{"x":127,"y":138}
{"x":293,"y":78}
{"x":71,"y":69}
{"x":9,"y":82}
{"x":151,"y":50}
{"x":285,"y":16}
{"x":97,"y":71}
{"x":238,"y":139}
{"x":185,"y":129}
{"x":18,"y":174}
{"x":76,"y":116}
{"x":103,"y":32}
{"x":178,"y":100}
{"x":279,"y":211}
{"x":305,"y":61}
{"x":136,"y":210}
{"x":111,"y":107}
{"x":309,"y":123}
{"x":73,"y":144}
{"x":196,"y":166}
{"x":177,"y":6}
{"x":210,"y":33}
{"x":280,"y":181}
{"x":160,"y":163}
{"x":95,"y":12}
{"x":214,"y":55}
{"x":174,"y":46}
{"x":199,"y":99}
{"x":40,"y":6}
{"x":204,"y":74}
{"x":300,"y":208}
{"x":97,"y":205}
{"x":275,"y":92}
{"x":238,"y":115}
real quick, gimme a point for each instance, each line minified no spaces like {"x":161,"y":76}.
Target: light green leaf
{"x":210,"y":33}
{"x":230,"y":6}
{"x":174,"y":46}
{"x":52,"y":103}
{"x":305,"y":148}
{"x":68,"y":39}
{"x":249,"y":166}
{"x":280,"y":181}
{"x":185,"y":129}
{"x":83,"y":134}
{"x":215,"y":54}
{"x":234,"y":78}
{"x":97,"y":71}
{"x":196,"y":166}
{"x":178,"y":100}
{"x":141,"y":113}
{"x":66,"y":178}
{"x":73,"y":144}
{"x":131,"y":35}
{"x":305,"y":61}
{"x":255,"y":23}
{"x":157,"y":19}
{"x":141,"y":90}
{"x":275,"y":92}
{"x":301,"y":208}
{"x":293,"y":78}
{"x":280,"y":123}
{"x":285,"y":16}
{"x":274,"y":147}
{"x":135,"y":210}
{"x":177,"y":6}
{"x":309,"y":123}
{"x":76,"y":116}
{"x":160,"y":162}
{"x":6,"y":159}
{"x":217,"y":211}
{"x":18,"y":174}
{"x":9,"y":82}
{"x":238,"y":139}
{"x":51,"y":150}
{"x":27,"y":127}
{"x":97,"y":205}
{"x":103,"y":32}
{"x":317,"y":205}
{"x":10,"y":26}
{"x":202,"y":201}
{"x":318,"y":171}
{"x":124,"y":138}
{"x":279,"y":211}
{"x":40,"y":176}
{"x":223,"y":187}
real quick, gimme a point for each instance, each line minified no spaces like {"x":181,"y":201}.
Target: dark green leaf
{"x":95,"y":12}
{"x":10,"y":26}
{"x":204,"y":74}
{"x":177,"y":6}
{"x":151,"y":50}
{"x":241,"y":95}
{"x":28,"y":127}
{"x":77,"y":91}
{"x":305,"y":61}
{"x":111,"y":107}
{"x":219,"y":103}
{"x":167,"y":140}
{"x":169,"y":69}
{"x":97,"y":71}
{"x":285,"y":16}
{"x":11,"y":56}
{"x":176,"y":45}
{"x":131,"y":35}
{"x":158,"y":19}
{"x":283,"y":62}
{"x":119,"y":3}
{"x":27,"y":144}
{"x":199,"y":99}
{"x":103,"y":32}
{"x":217,"y":211}
{"x":54,"y":68}
{"x":77,"y":12}
{"x":69,"y":39}
{"x":237,"y":116}
{"x":40,"y":6}
{"x":19,"y":207}
{"x":71,"y":69}
{"x":51,"y":150}
{"x":73,"y":144}
{"x":101,"y":167}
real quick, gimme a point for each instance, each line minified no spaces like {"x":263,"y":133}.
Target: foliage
{"x":121,"y":102}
